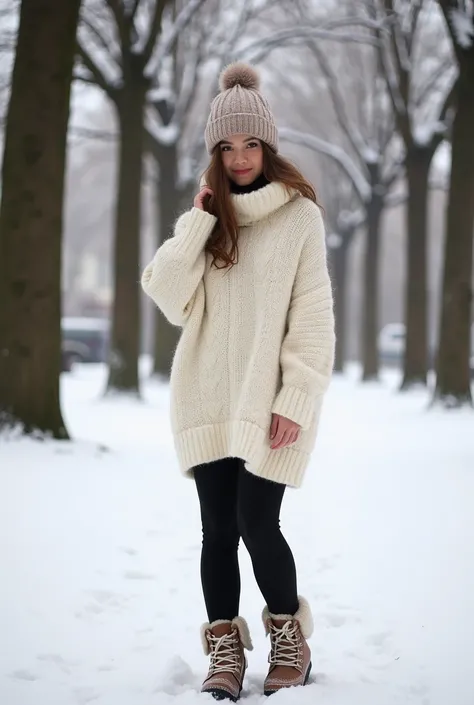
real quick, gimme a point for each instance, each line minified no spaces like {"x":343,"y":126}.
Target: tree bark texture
{"x":125,"y":337}
{"x":415,"y":366}
{"x":169,"y":195}
{"x":453,"y":386}
{"x":339,"y":277}
{"x":370,"y":312}
{"x":31,"y":218}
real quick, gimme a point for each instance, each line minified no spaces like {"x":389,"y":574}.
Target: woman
{"x":246,"y":277}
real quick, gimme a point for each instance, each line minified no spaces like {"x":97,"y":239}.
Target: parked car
{"x":84,"y":340}
{"x":391,"y":346}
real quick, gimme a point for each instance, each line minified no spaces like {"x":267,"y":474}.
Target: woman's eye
{"x":253,"y":144}
{"x":226,"y":148}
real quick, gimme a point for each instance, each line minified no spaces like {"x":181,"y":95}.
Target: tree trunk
{"x":31,"y":218}
{"x":453,"y":383}
{"x":370,"y":357}
{"x":125,"y":338}
{"x":418,"y":163}
{"x":339,"y":272}
{"x":166,"y":335}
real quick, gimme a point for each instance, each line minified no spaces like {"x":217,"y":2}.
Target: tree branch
{"x":449,"y":101}
{"x":259,"y":49}
{"x":155,"y":26}
{"x":94,"y":70}
{"x":167,"y":45}
{"x":397,"y":96}
{"x":116,"y":8}
{"x":348,"y":127}
{"x":450,"y":8}
{"x":433,"y":80}
{"x":447,"y":107}
{"x":133,"y":11}
{"x":189,"y":84}
{"x":100,"y":39}
{"x":395,"y":199}
{"x":246,"y":12}
{"x":416,"y":8}
{"x":394,"y":172}
{"x":91,"y":133}
{"x":361,"y":184}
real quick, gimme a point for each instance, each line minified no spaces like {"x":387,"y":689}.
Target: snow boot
{"x":290,"y":655}
{"x":224,"y":641}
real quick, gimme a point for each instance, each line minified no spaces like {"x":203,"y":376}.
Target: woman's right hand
{"x":199,"y":199}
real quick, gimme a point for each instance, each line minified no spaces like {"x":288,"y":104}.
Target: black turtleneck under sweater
{"x":259,"y":183}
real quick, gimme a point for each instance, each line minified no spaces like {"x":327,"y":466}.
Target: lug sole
{"x":221,"y":694}
{"x":306,"y":679}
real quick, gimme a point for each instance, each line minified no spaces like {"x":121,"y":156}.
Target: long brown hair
{"x":275,"y":168}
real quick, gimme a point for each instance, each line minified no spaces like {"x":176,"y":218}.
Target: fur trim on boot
{"x":242,"y":628}
{"x":303,"y":616}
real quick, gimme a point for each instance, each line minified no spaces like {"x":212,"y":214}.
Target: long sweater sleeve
{"x":307,"y":352}
{"x":175,"y":273}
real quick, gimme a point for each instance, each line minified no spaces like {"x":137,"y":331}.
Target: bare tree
{"x":420,"y":73}
{"x":453,"y":383}
{"x":343,"y":216}
{"x":122,"y":47}
{"x":31,"y":218}
{"x":365,"y":147}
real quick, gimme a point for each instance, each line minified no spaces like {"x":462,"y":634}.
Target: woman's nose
{"x":240,"y":158}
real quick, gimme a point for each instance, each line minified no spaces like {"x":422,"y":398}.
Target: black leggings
{"x":234,"y":504}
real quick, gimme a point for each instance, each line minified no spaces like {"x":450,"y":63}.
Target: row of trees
{"x":394,"y":102}
{"x":157,"y":61}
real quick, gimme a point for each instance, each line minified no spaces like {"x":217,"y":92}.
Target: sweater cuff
{"x":194,"y":236}
{"x":295,"y":405}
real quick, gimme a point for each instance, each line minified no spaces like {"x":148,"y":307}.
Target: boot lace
{"x":224,"y":652}
{"x":286,"y":646}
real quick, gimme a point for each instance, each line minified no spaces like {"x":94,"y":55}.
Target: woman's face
{"x":242,"y":157}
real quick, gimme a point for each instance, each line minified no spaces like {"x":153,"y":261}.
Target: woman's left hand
{"x":283,"y":432}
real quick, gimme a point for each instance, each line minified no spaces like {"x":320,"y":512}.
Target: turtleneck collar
{"x":259,"y":204}
{"x":259,"y":182}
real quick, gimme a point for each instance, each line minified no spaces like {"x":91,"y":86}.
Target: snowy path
{"x":100,"y":598}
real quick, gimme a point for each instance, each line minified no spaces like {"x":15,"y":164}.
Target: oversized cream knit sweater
{"x":257,"y":339}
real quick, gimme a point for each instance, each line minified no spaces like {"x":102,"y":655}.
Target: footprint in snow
{"x":85,"y":695}
{"x":138,"y":575}
{"x":178,"y":677}
{"x":128,"y":550}
{"x":23,"y":675}
{"x":58,"y":661}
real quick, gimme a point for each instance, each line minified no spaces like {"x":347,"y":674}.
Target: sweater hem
{"x":240,"y":439}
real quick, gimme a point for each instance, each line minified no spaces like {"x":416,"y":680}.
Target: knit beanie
{"x":240,"y":109}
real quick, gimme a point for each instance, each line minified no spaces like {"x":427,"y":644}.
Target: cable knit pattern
{"x":258,"y":338}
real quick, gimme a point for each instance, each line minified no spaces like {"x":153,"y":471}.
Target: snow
{"x":371,"y":155}
{"x":100,"y":597}
{"x":462,"y":19}
{"x":423,"y":133}
{"x":84,"y":323}
{"x":334,"y":241}
{"x":351,"y":218}
{"x":165,"y":134}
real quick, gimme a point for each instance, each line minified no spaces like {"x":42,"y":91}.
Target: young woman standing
{"x":246,"y":277}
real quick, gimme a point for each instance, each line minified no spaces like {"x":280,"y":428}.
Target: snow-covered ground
{"x":100,"y":597}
